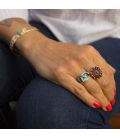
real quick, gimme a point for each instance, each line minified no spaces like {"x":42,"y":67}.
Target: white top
{"x":80,"y":26}
{"x":13,"y":13}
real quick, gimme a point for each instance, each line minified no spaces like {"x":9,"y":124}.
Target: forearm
{"x":8,"y":27}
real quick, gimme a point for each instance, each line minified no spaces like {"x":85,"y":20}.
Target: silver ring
{"x":83,"y":77}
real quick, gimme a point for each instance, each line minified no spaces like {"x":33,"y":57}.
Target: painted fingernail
{"x":114,"y":92}
{"x":108,"y":107}
{"x":113,"y":102}
{"x":97,"y":104}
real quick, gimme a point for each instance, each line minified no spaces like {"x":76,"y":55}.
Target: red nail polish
{"x":113,"y":102}
{"x":97,"y":104}
{"x":114,"y":92}
{"x":109,"y":107}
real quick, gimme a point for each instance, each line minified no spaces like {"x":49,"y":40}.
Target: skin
{"x":61,"y":63}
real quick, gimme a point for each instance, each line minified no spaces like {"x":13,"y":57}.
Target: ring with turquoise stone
{"x":83,"y":77}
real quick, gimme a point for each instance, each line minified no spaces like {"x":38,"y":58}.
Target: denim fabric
{"x":43,"y":104}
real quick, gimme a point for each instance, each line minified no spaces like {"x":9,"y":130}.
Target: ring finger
{"x":92,"y":87}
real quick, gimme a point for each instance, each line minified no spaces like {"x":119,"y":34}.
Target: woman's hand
{"x":61,"y":63}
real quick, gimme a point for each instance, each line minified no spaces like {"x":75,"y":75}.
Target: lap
{"x":54,"y":106}
{"x":44,"y":104}
{"x":15,"y":74}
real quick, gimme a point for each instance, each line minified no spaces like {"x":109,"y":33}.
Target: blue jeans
{"x":43,"y":104}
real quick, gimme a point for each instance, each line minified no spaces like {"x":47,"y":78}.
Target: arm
{"x":8,"y":28}
{"x":61,"y":63}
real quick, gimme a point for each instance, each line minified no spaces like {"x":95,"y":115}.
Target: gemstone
{"x":83,"y":77}
{"x":95,"y":72}
{"x":18,"y":32}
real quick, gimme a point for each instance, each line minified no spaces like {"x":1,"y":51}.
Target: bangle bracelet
{"x":18,"y":34}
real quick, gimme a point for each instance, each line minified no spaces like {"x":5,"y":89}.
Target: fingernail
{"x":113,"y":102}
{"x":97,"y":104}
{"x":114,"y":92}
{"x":108,"y":107}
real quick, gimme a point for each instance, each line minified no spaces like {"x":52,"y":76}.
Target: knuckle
{"x":59,"y":69}
{"x":108,"y":72}
{"x":93,"y":87}
{"x":111,"y":68}
{"x":90,"y":48}
{"x":111,"y":72}
{"x":105,"y":82}
{"x":84,"y":55}
{"x":70,"y":62}
{"x":77,"y":91}
{"x":110,"y":97}
{"x":109,"y":75}
{"x":95,"y":90}
{"x":99,"y":93}
{"x":81,"y":57}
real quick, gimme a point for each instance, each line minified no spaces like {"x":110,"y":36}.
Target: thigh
{"x":44,"y":104}
{"x":6,"y":117}
{"x":15,"y":74}
{"x":15,"y":71}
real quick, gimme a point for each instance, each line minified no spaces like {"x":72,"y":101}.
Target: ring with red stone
{"x":95,"y":72}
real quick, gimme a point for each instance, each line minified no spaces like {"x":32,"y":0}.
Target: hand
{"x":61,"y":63}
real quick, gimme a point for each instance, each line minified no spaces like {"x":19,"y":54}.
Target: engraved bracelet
{"x":18,"y":34}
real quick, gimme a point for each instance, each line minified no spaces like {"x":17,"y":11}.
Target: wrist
{"x":9,"y":26}
{"x":28,"y":42}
